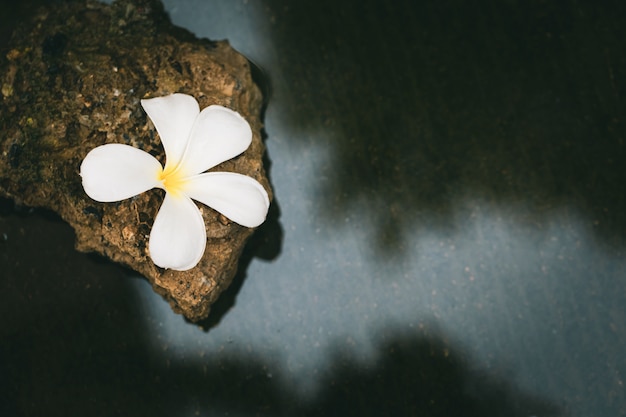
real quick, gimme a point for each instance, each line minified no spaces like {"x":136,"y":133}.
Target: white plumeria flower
{"x":194,"y":142}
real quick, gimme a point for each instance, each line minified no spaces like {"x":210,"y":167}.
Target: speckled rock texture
{"x":72,"y":80}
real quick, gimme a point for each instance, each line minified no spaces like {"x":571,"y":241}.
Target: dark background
{"x":448,"y":237}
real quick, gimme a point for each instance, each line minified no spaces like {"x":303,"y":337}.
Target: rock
{"x":72,"y":80}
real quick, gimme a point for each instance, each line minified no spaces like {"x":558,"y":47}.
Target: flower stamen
{"x":173,"y":181}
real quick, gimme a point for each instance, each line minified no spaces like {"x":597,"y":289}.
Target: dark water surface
{"x":448,"y":239}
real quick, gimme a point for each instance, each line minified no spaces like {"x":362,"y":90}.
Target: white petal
{"x":114,"y":172}
{"x":219,"y":134}
{"x":173,"y":116}
{"x":178,"y":236}
{"x":238,"y":197}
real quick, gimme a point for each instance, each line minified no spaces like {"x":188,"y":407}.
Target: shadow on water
{"x":425,"y":103}
{"x":73,"y":343}
{"x":265,"y":244}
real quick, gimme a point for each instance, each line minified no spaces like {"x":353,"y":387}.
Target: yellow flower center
{"x":173,"y":181}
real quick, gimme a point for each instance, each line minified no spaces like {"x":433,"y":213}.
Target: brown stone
{"x":72,"y":80}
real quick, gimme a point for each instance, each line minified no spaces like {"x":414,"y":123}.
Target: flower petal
{"x":178,"y":237}
{"x":238,"y":197}
{"x":115,"y":172}
{"x":173,"y":116}
{"x":218,"y":135}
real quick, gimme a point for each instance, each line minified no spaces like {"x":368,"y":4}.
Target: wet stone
{"x":72,"y":80}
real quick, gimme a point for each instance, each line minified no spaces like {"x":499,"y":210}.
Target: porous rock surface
{"x":72,"y":80}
